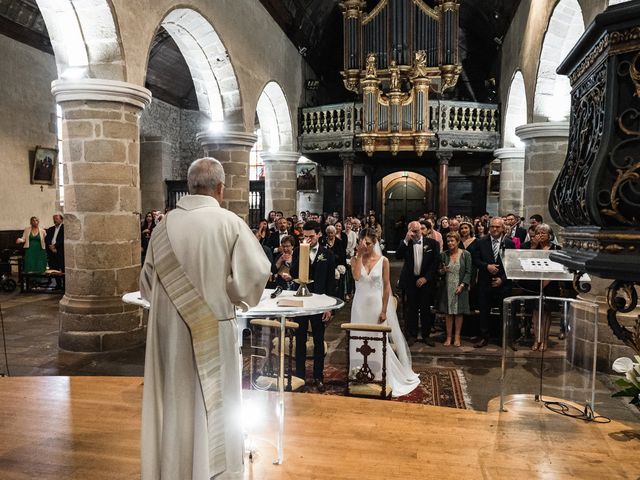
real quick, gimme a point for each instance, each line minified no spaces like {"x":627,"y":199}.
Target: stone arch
{"x":516,"y":111}
{"x":213,"y":75}
{"x":85,"y":38}
{"x":415,"y":199}
{"x":552,"y":100}
{"x":274,"y":117}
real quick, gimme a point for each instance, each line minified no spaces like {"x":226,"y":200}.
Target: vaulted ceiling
{"x":315,"y":28}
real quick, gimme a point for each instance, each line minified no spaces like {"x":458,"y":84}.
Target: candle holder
{"x":303,"y":290}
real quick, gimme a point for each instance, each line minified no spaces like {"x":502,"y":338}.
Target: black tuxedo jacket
{"x":273,"y":240}
{"x":59,"y":239}
{"x":430,"y":259}
{"x":483,"y":256}
{"x":322,"y":271}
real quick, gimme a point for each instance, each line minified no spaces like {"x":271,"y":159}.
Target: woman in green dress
{"x":455,"y":266}
{"x":35,"y":252}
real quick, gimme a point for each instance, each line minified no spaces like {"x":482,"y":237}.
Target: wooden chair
{"x":265,"y":377}
{"x":363,"y":383}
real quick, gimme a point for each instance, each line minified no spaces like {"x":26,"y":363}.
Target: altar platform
{"x":79,"y":428}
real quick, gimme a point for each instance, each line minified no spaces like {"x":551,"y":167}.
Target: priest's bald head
{"x":206,"y":177}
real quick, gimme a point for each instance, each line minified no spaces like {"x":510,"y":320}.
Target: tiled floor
{"x":31,"y":333}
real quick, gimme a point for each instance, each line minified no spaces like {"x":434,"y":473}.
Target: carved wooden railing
{"x":457,"y":125}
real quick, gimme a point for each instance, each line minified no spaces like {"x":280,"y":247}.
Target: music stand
{"x":535,"y":265}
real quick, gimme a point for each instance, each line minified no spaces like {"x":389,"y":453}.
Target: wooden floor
{"x":88,"y":428}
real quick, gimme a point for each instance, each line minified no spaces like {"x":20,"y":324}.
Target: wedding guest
{"x":481,"y":231}
{"x":333,"y":243}
{"x":551,"y":288}
{"x":454,"y":225}
{"x":427,"y":231}
{"x":509,"y":234}
{"x":456,"y":266}
{"x":372,"y":222}
{"x":420,"y":255}
{"x":340,"y":234}
{"x":271,"y":218}
{"x":443,"y":226}
{"x":146,"y":228}
{"x":281,"y":265}
{"x":515,"y":230}
{"x":55,"y":247}
{"x":262,"y":233}
{"x":493,"y":285}
{"x":35,"y":251}
{"x":275,"y":238}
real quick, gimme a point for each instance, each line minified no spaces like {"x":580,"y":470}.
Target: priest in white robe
{"x":226,"y":266}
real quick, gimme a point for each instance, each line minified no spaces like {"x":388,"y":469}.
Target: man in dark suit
{"x":322,"y":267}
{"x":54,"y":239}
{"x":513,"y":223}
{"x":493,"y":285}
{"x":417,"y":278}
{"x":275,"y":238}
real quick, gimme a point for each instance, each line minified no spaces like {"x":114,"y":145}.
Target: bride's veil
{"x":396,"y":337}
{"x":377,"y":248}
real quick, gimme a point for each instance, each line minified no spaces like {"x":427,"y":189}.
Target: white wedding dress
{"x":366,"y":308}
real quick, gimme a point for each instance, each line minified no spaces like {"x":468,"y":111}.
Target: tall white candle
{"x":303,"y":269}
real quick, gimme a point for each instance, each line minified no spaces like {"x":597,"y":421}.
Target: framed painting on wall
{"x":307,"y":177}
{"x":43,"y":170}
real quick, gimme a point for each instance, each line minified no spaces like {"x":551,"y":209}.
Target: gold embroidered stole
{"x":203,"y":325}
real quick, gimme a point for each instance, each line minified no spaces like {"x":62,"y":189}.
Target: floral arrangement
{"x":631,"y":382}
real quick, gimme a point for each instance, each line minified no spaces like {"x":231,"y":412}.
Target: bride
{"x":371,"y":305}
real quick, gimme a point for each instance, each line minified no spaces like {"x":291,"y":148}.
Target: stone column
{"x":545,"y":151}
{"x":511,"y":180}
{"x":280,"y":182}
{"x":347,"y":183}
{"x":443,"y":182}
{"x":100,"y":134}
{"x":232,"y":150}
{"x":367,"y":190}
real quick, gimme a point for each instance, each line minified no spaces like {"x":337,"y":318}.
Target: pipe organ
{"x":394,"y":56}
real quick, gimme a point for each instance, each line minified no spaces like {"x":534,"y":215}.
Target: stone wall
{"x":178,"y":129}
{"x":28,"y":119}
{"x":267,"y":55}
{"x":168,"y":145}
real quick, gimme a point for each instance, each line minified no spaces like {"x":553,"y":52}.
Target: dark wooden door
{"x":405,"y":200}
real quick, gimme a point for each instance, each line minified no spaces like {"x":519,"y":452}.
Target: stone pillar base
{"x":99,"y":324}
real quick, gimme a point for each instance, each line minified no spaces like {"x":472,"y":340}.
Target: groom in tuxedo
{"x":417,"y":278}
{"x":322,"y":268}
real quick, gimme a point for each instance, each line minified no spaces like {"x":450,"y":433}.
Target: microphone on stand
{"x":276,"y":292}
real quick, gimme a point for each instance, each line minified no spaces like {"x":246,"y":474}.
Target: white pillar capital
{"x":225,"y":140}
{"x":508,"y":153}
{"x":98,"y":89}
{"x":532,"y":131}
{"x":286,"y":157}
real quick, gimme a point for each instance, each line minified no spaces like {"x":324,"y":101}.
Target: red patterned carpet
{"x":443,"y":387}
